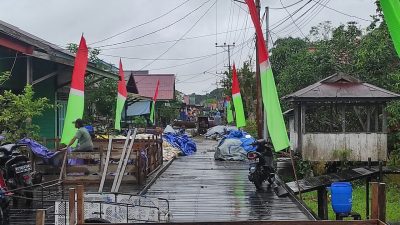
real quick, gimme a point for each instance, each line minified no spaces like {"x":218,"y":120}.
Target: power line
{"x":282,"y":21}
{"x":142,"y":24}
{"x":158,"y":30}
{"x":343,"y":13}
{"x":293,"y":19}
{"x":169,"y":41}
{"x":169,"y":59}
{"x":288,"y":6}
{"x":308,"y":19}
{"x":190,"y":29}
{"x":197,"y":60}
{"x":303,"y":14}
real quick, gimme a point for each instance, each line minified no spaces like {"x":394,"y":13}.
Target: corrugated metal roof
{"x":48,"y":51}
{"x":342,"y":86}
{"x":146,"y":85}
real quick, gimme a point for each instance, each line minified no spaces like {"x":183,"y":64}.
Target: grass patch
{"x":392,"y":202}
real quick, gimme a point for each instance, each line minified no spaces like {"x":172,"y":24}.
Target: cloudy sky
{"x":174,"y":36}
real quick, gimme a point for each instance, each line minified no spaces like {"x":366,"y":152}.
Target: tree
{"x":18,"y":110}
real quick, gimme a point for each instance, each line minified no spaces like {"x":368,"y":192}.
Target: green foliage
{"x":139,"y":121}
{"x":251,"y":128}
{"x":303,"y":168}
{"x":18,"y":110}
{"x":343,"y":156}
{"x":246,"y":78}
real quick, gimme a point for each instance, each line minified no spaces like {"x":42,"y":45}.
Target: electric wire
{"x":190,"y":29}
{"x":291,"y":17}
{"x":142,"y":24}
{"x":343,"y":13}
{"x":157,"y":30}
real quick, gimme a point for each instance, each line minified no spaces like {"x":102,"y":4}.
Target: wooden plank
{"x":122,"y":172}
{"x":84,"y":155}
{"x":384,"y":119}
{"x":374,"y":200}
{"x":128,"y":136}
{"x":274,"y":222}
{"x":80,"y":214}
{"x":382,"y":202}
{"x":40,"y":216}
{"x":103,"y":177}
{"x":64,"y":164}
{"x":71,"y":211}
{"x":322,"y":204}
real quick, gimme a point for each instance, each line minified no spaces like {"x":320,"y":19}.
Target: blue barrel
{"x":341,"y":197}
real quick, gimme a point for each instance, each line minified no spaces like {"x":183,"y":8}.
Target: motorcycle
{"x":262,"y":164}
{"x":16,"y":172}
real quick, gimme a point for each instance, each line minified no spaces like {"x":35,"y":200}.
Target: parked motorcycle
{"x":16,"y":171}
{"x":262,"y":164}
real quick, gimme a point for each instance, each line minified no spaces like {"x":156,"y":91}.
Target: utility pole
{"x":259,"y":107}
{"x":265,"y":130}
{"x":228,"y":49}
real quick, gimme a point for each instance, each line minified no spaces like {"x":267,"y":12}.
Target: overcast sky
{"x":194,"y":60}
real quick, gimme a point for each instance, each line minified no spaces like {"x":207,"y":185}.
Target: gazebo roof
{"x":342,"y":87}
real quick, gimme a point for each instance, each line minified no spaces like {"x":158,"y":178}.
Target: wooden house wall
{"x":320,"y":146}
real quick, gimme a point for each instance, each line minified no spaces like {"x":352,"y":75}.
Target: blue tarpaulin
{"x":244,"y":137}
{"x":182,"y":142}
{"x":40,"y":151}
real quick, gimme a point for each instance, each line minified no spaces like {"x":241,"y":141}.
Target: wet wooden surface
{"x":201,"y":189}
{"x":314,"y":183}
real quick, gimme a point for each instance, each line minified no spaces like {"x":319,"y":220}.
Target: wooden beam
{"x":29,"y":70}
{"x":368,"y":119}
{"x":80,"y":206}
{"x":71,"y":211}
{"x":16,"y":45}
{"x":40,"y":216}
{"x":378,"y":201}
{"x":45,"y":77}
{"x":384,"y":118}
{"x":281,"y":222}
{"x":343,"y":117}
{"x":382,"y":202}
{"x":322,"y":204}
{"x":376,"y":118}
{"x":70,"y":62}
{"x":303,"y":119}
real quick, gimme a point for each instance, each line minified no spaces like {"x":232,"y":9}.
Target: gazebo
{"x":339,"y":113}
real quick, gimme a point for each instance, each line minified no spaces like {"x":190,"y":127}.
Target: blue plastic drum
{"x":341,"y":197}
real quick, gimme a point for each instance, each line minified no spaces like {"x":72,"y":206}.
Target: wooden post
{"x":343,"y":111}
{"x":382,"y":202}
{"x":384,"y":119}
{"x":80,"y":213}
{"x":368,"y":180}
{"x":376,"y":118}
{"x":322,"y":204}
{"x":71,"y":211}
{"x":303,"y":119}
{"x":29,"y":70}
{"x":378,"y":201}
{"x":368,"y":119}
{"x":40,"y":216}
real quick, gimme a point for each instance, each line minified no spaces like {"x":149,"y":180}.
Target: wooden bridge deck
{"x":201,"y":189}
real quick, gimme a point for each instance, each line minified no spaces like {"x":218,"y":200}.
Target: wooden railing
{"x":146,"y":158}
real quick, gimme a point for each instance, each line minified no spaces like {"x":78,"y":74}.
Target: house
{"x":44,"y":65}
{"x":339,"y":113}
{"x":144,"y":84}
